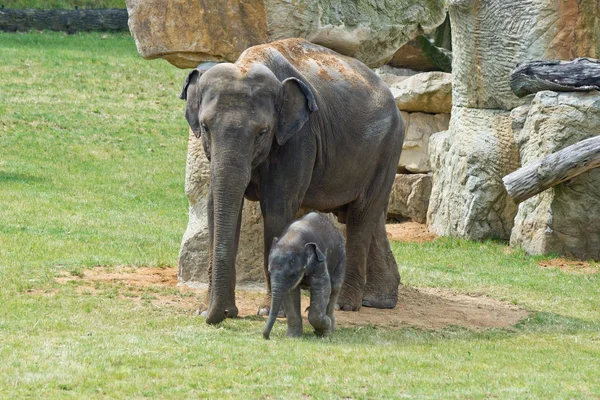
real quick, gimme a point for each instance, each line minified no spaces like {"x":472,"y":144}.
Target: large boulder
{"x":418,"y":129}
{"x":564,"y":219}
{"x":391,"y":75}
{"x":489,"y":37}
{"x":429,"y":92}
{"x":410,"y":197}
{"x":188,"y":32}
{"x":468,"y":198}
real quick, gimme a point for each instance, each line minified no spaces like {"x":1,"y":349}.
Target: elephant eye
{"x":263,"y":132}
{"x":204,"y":127}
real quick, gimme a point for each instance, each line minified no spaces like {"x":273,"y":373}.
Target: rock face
{"x":187,"y":32}
{"x":489,"y":37}
{"x":564,"y":219}
{"x":193,"y":254}
{"x":468,"y":198}
{"x":410,"y":197}
{"x":415,"y":150}
{"x":429,"y":92}
{"x":391,"y":75}
{"x":412,"y":56}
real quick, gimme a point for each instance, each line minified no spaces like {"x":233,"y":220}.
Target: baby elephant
{"x":310,"y":255}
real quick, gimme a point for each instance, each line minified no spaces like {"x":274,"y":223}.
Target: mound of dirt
{"x":419,"y":307}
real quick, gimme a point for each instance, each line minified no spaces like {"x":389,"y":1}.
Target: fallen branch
{"x":581,"y":74}
{"x":553,"y":169}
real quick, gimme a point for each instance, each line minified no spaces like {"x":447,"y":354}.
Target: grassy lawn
{"x":63,"y":4}
{"x":92,"y":161}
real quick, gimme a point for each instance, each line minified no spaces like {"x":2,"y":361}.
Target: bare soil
{"x":418,"y":307}
{"x":409,"y":232}
{"x":571,"y":266}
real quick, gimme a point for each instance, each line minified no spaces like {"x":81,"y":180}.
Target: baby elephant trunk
{"x":276,"y":299}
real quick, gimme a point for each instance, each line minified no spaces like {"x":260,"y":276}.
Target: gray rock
{"x":186,"y":33}
{"x":564,"y":219}
{"x":391,"y":75}
{"x":468,"y":198}
{"x":419,"y":128}
{"x":429,"y":92}
{"x":410,"y":197}
{"x":490,"y":37}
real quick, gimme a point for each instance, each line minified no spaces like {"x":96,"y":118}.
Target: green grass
{"x":92,"y":160}
{"x":63,"y":4}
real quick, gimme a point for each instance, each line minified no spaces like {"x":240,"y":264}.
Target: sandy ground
{"x":409,"y":232}
{"x":418,"y":307}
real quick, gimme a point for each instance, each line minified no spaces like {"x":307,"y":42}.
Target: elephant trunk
{"x":276,"y":300}
{"x":230,"y":175}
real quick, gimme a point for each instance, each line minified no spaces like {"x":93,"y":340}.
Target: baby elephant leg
{"x":337,"y":279}
{"x":291,"y":305}
{"x":317,"y":313}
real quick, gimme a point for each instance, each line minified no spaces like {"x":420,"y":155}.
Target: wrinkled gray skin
{"x":310,"y":255}
{"x":292,"y":124}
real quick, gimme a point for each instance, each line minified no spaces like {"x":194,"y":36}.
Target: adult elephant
{"x":292,"y":124}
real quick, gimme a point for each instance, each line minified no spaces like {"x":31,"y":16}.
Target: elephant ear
{"x":298,"y":102}
{"x":189,"y":92}
{"x":314,"y":257}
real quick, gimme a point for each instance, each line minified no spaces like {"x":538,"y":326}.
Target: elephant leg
{"x":291,"y":305}
{"x":320,"y":293}
{"x":232,"y":311}
{"x":337,"y":277}
{"x":383,"y":278}
{"x":205,"y":305}
{"x":359,"y":232}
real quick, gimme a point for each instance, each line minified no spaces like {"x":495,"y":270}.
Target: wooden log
{"x":581,"y":74}
{"x":553,"y":169}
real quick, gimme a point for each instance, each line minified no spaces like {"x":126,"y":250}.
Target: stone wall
{"x":564,"y":219}
{"x":71,"y":21}
{"x":489,"y":37}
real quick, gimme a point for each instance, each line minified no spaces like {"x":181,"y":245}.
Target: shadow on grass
{"x":6,"y":177}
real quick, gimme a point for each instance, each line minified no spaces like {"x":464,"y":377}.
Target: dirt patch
{"x":419,"y":307}
{"x":571,"y":266}
{"x":409,"y":232}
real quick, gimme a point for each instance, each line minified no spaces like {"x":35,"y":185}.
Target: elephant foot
{"x":380,"y":301}
{"x":230,"y":312}
{"x":344,"y":305}
{"x":381,"y":295}
{"x":294,"y":332}
{"x":264,"y":309}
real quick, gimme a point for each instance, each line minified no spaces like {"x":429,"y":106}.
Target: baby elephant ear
{"x":314,"y":251}
{"x":274,"y":242}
